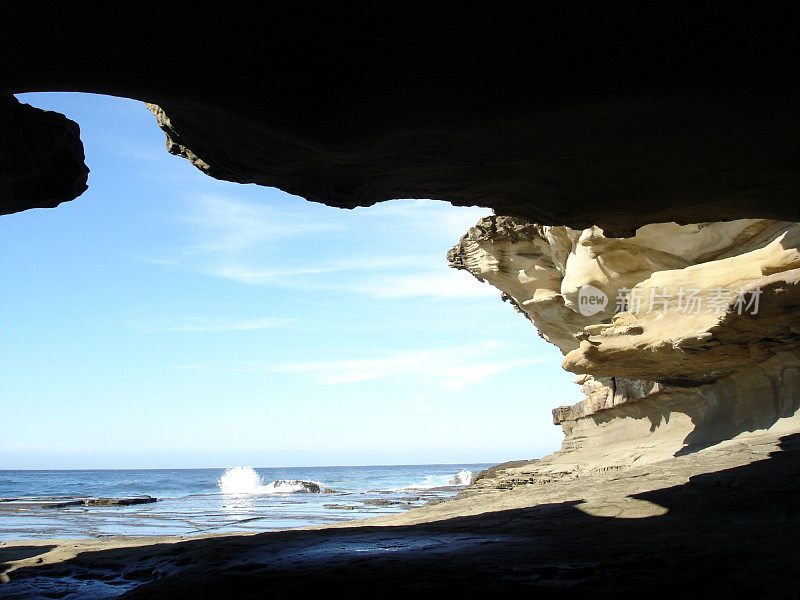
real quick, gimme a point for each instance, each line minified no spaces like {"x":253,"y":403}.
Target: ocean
{"x":86,"y":503}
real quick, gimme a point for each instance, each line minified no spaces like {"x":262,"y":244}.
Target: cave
{"x":642,"y":153}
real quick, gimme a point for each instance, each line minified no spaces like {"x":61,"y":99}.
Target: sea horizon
{"x":93,"y":503}
{"x":430,"y":464}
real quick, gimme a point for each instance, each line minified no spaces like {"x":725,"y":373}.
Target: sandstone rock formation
{"x":664,"y":388}
{"x":706,"y":352}
{"x":668,"y":424}
{"x":563,"y":113}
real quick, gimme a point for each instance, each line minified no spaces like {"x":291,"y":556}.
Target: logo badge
{"x":591,"y":300}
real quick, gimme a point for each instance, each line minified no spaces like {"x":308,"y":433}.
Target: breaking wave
{"x":462,"y":478}
{"x":245,"y":480}
{"x":437,"y":481}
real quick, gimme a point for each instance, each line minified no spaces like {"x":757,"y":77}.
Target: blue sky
{"x":166,"y":319}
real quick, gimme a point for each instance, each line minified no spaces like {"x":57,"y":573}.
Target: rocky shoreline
{"x":68,"y":501}
{"x":568,"y":523}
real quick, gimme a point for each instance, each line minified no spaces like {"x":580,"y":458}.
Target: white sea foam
{"x":437,"y":481}
{"x":245,"y":481}
{"x":462,"y":478}
{"x":240,"y":480}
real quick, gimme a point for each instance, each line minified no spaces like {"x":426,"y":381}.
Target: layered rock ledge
{"x":693,"y":339}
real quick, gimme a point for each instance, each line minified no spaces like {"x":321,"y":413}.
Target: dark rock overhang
{"x":41,"y":158}
{"x":564,"y":113}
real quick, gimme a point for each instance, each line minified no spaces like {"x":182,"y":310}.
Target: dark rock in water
{"x":381,"y":502}
{"x":68,"y":501}
{"x":341,"y":506}
{"x":130,"y":501}
{"x":119,"y":501}
{"x":330,"y":491}
{"x":297,"y":485}
{"x":64,"y":504}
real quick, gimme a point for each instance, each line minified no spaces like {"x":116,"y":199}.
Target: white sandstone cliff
{"x":697,"y":343}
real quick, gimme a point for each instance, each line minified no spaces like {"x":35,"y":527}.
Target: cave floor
{"x":723,"y":520}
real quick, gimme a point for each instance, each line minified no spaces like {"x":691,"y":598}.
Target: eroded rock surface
{"x":666,"y":424}
{"x":688,"y":309}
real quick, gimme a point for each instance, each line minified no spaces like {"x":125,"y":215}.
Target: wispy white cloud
{"x":443,"y":284}
{"x":429,"y":216}
{"x":295,"y":277}
{"x":228,"y":224}
{"x":209,"y":325}
{"x":419,"y":403}
{"x":22,"y":446}
{"x":253,"y":244}
{"x":218,"y":234}
{"x":131,"y":149}
{"x":450,"y":369}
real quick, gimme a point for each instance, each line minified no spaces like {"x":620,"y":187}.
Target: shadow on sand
{"x":12,"y":553}
{"x":728,"y":533}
